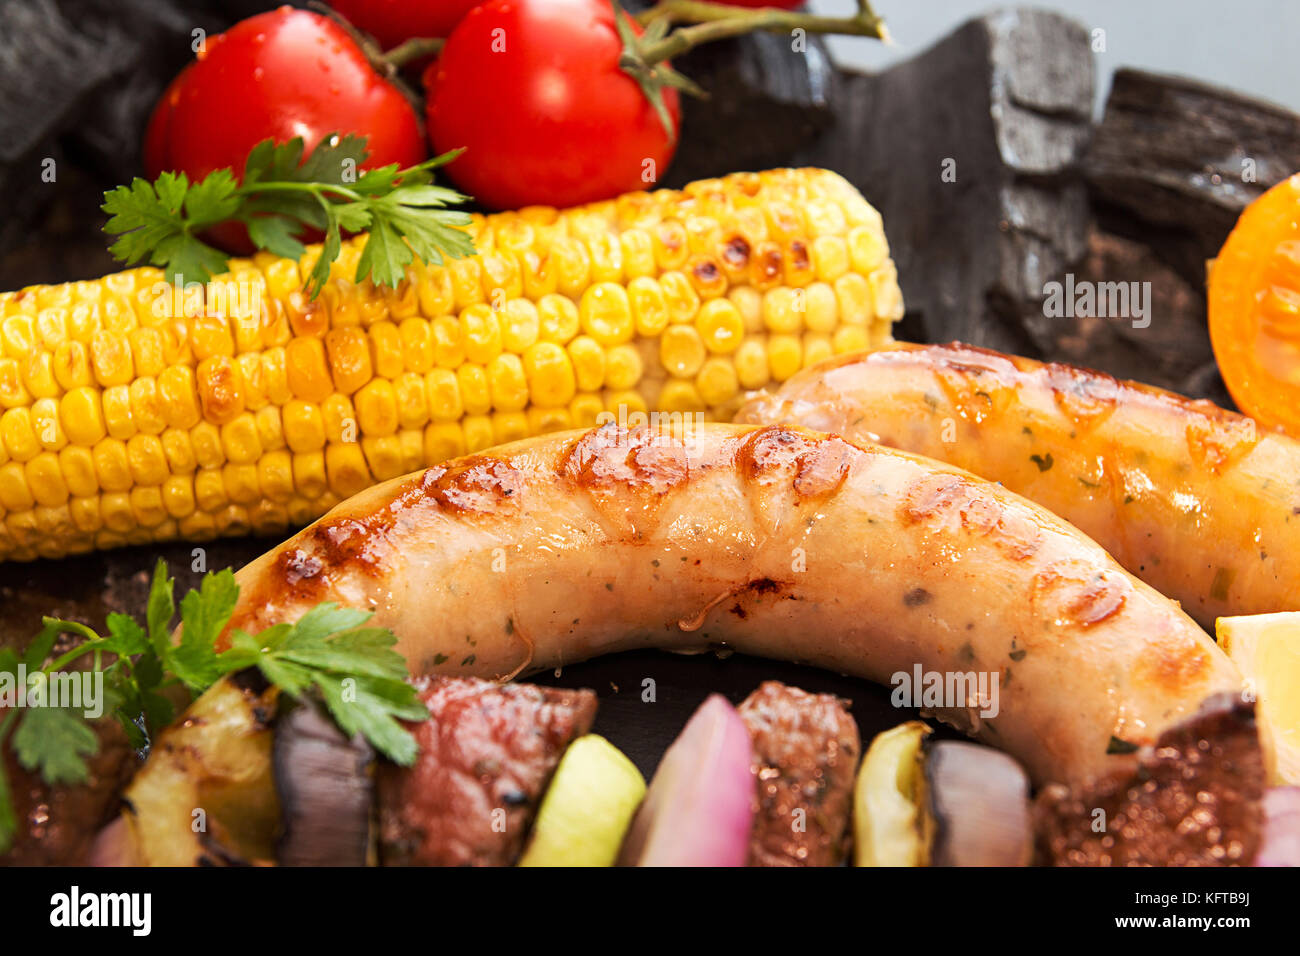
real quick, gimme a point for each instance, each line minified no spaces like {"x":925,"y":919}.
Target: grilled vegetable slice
{"x":886,"y":820}
{"x":976,"y":807}
{"x":133,"y":412}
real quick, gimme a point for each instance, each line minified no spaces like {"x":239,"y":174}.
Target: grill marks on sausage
{"x":627,"y":473}
{"x":487,"y":753}
{"x":806,"y":749}
{"x":1074,"y":592}
{"x":949,"y":504}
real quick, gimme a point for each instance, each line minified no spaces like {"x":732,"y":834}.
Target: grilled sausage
{"x":1191,"y":498}
{"x":773,"y":541}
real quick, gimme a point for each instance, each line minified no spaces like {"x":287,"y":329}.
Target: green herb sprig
{"x":278,"y":197}
{"x":354,"y":668}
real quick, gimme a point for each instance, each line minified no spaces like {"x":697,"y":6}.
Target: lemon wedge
{"x":1266,"y":649}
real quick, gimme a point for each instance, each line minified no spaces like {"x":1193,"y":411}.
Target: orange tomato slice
{"x":1254,"y":304}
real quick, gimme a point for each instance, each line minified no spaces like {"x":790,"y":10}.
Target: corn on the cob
{"x":132,"y":411}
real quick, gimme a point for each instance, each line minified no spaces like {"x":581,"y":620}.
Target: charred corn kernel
{"x":717,"y":381}
{"x":377,"y":408}
{"x":623,"y":367}
{"x":18,"y":435}
{"x":306,"y":369}
{"x":210,"y":490}
{"x":507,"y":383}
{"x":681,"y":396}
{"x":45,"y":478}
{"x":340,"y":419}
{"x":345,"y":469}
{"x":112,"y":466}
{"x":558,"y":318}
{"x":817,"y":347}
{"x":385,"y":350}
{"x":784,"y":355}
{"x":585,"y":409}
{"x":679,"y":296}
{"x":435,"y":293}
{"x":720,"y":325}
{"x":443,"y":440}
{"x":681,"y":350}
{"x":78,"y":467}
{"x":478,"y":433}
{"x":349,"y":358}
{"x":15,"y":492}
{"x":848,"y":339}
{"x":145,"y":412}
{"x":205,"y":439}
{"x":240,"y":439}
{"x":180,"y":397}
{"x":412,"y":406}
{"x":46,"y":424}
{"x":481,"y":333}
{"x":606,"y":315}
{"x":830,"y":256}
{"x":178,"y":496}
{"x":179,"y":451}
{"x":520,"y":325}
{"x":853,"y":295}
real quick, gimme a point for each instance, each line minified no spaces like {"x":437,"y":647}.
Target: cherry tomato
{"x":534,"y":91}
{"x":392,"y":21}
{"x":277,"y":75}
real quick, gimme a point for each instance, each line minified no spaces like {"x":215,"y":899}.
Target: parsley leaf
{"x":57,"y":742}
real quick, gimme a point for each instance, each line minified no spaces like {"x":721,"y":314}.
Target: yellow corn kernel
{"x":680,"y":297}
{"x":403,"y":302}
{"x":112,"y":466}
{"x":273,"y":377}
{"x":345,"y":468}
{"x":558,"y":318}
{"x":475,"y":392}
{"x":798,"y":265}
{"x":179,"y":451}
{"x":784,"y":355}
{"x":543,"y":421}
{"x":221,"y":390}
{"x":853,"y":294}
{"x":275,"y":475}
{"x":412,"y":406}
{"x":178,"y":496}
{"x":45,"y":479}
{"x":270,"y":431}
{"x":783,"y":309}
{"x":376,"y":403}
{"x":434,"y":292}
{"x":349,"y":358}
{"x":509,"y":426}
{"x":550,"y":375}
{"x":52,"y":327}
{"x":179,"y":393}
{"x":670,"y":244}
{"x":22,"y":528}
{"x":766,"y":265}
{"x":681,"y":396}
{"x":307,"y":317}
{"x":538,"y":274}
{"x":241,"y":483}
{"x":478,"y":432}
{"x":38,"y":375}
{"x":110,"y":359}
{"x":817,"y":347}
{"x":572,"y":264}
{"x":210,"y":490}
{"x":638,"y":253}
{"x":306,"y":369}
{"x":383,"y":454}
{"x":448,"y":342}
{"x":13,"y":393}
{"x":466,"y":282}
{"x":867,"y":248}
{"x":210,"y":336}
{"x":198,"y":526}
{"x":886,"y":297}
{"x":309,"y":474}
{"x":240,"y":439}
{"x":417,"y":344}
{"x":85,"y":513}
{"x":411,"y":444}
{"x":146,"y":351}
{"x":45,"y":423}
{"x":830,"y":256}
{"x":385,"y":350}
{"x":848,"y":339}
{"x":147,"y":507}
{"x":18,"y":435}
{"x":15,"y":492}
{"x":501,"y":279}
{"x":117,"y":411}
{"x":606,"y":252}
{"x":720,"y":325}
{"x":442,"y":395}
{"x":703,"y":233}
{"x":649,"y":310}
{"x":588,"y":360}
{"x":17,"y":335}
{"x":205,"y":439}
{"x":146,"y":460}
{"x":282,"y":275}
{"x":520,"y":325}
{"x":717,"y":381}
{"x":606,"y":315}
{"x":820,"y":308}
{"x":507,"y":383}
{"x":78,"y":467}
{"x":342,"y":299}
{"x":585,"y":409}
{"x":147,"y":412}
{"x":443,"y":440}
{"x":681,"y":350}
{"x":115,"y":509}
{"x":481,"y":334}
{"x":623,"y":367}
{"x":706,"y":276}
{"x":340,"y":419}
{"x":71,"y":366}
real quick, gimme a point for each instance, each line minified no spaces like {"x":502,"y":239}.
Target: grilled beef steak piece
{"x":1195,"y":800}
{"x":486,"y":755}
{"x":806,"y":749}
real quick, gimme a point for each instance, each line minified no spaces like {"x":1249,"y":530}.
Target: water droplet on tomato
{"x":258,"y":73}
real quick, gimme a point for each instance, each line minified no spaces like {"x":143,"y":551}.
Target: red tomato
{"x":277,"y":75}
{"x":392,"y":21}
{"x":533,"y":90}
